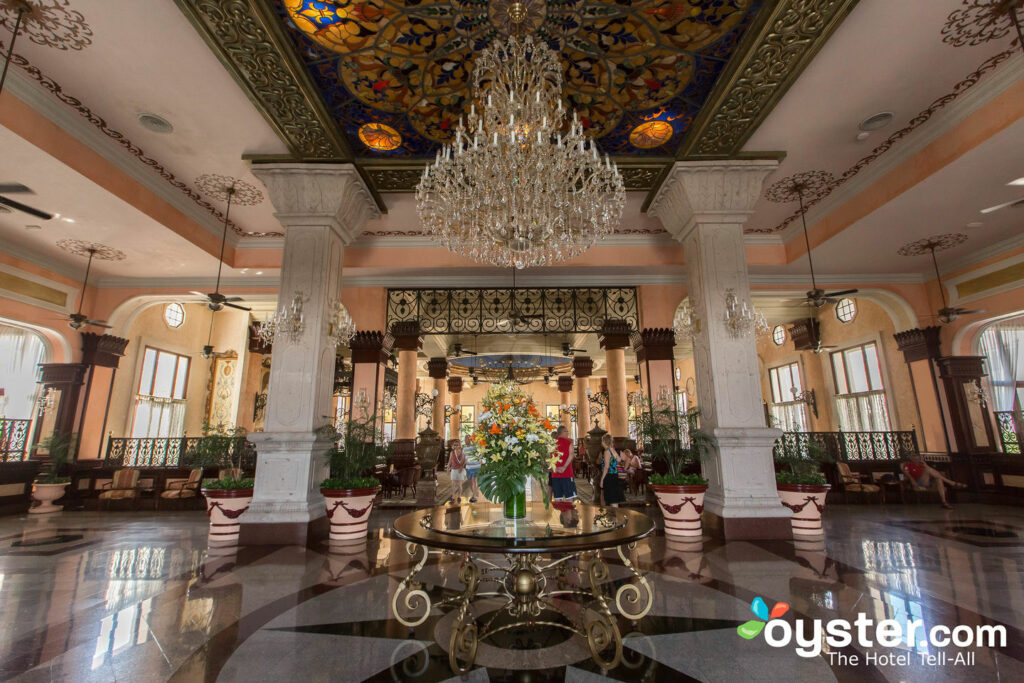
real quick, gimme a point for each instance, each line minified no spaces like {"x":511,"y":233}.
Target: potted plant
{"x":351,"y":489}
{"x":49,"y":485}
{"x":801,"y":485}
{"x":226,"y":500}
{"x":217,"y":448}
{"x":680,"y":494}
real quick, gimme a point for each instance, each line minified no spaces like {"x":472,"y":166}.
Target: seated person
{"x":922,"y":476}
{"x":631,"y":462}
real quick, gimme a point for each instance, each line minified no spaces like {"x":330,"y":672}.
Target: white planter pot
{"x":46,"y":494}
{"x":681,"y":507}
{"x":348,"y":511}
{"x":807,"y":501}
{"x":224,"y":507}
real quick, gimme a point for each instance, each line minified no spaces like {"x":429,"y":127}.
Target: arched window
{"x":21,"y":351}
{"x":1002,"y":345}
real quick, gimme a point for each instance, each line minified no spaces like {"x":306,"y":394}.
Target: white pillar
{"x":322,"y":208}
{"x":704,"y":204}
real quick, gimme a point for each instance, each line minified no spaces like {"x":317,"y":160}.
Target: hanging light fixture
{"x":520,"y":184}
{"x":686,"y":324}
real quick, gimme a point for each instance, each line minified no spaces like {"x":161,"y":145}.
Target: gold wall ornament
{"x":782,"y":44}
{"x":246,"y":36}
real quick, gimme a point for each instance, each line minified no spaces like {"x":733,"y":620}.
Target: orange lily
{"x":495,"y":429}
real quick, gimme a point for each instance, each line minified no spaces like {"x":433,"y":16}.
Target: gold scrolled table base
{"x":544,"y":571}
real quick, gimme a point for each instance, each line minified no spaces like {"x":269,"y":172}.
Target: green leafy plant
{"x":219,"y":447}
{"x":354,"y":454}
{"x":805,"y":478}
{"x":59,"y":448}
{"x":677,"y":480}
{"x":230,"y":484}
{"x":659,"y":427}
{"x":804,"y":460}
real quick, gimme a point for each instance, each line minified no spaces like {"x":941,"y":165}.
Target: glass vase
{"x":515,"y":507}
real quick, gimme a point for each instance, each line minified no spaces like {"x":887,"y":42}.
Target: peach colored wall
{"x":47,"y":321}
{"x":367,"y":306}
{"x":658,"y":304}
{"x":871,"y":324}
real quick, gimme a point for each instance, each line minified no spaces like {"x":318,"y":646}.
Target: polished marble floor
{"x":140,"y":597}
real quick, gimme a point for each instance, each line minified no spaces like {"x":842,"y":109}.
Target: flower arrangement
{"x":513,"y":441}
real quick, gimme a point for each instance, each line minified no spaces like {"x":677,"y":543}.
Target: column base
{"x":747,"y":528}
{"x":284,"y":532}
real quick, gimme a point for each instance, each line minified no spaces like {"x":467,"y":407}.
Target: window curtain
{"x":1003,"y":347}
{"x":21,"y":352}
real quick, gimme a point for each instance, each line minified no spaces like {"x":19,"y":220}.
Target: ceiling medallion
{"x":216,"y":186}
{"x":380,"y":137}
{"x":100,"y":252}
{"x":519,"y":17}
{"x":651,"y":134}
{"x":47,"y":22}
{"x":520,"y":185}
{"x":980,"y":21}
{"x":801,"y":186}
{"x":932,"y":244}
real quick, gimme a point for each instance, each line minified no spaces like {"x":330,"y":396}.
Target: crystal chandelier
{"x":742,"y":318}
{"x":340,"y":326}
{"x":686,"y":324}
{"x":287,"y":322}
{"x":519,"y":185}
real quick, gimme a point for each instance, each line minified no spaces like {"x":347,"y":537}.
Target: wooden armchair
{"x":407,"y":479}
{"x":853,"y":482}
{"x":184,"y":489}
{"x":124,"y":486}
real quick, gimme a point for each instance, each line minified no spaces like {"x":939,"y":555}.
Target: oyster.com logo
{"x":809,"y":636}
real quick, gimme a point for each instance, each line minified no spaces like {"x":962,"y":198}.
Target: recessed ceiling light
{"x":245,"y":270}
{"x":157,"y":124}
{"x":876,"y":121}
{"x":259,"y":272}
{"x":975,"y":224}
{"x":68,"y":220}
{"x":863,"y":135}
{"x":1018,"y":181}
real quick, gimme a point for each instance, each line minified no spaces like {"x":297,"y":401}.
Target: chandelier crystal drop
{"x":520,"y":184}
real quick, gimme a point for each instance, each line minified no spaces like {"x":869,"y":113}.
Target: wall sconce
{"x":598,"y":402}
{"x":340,"y":326}
{"x":48,"y":401}
{"x":287,"y":322}
{"x":742,"y":318}
{"x":570,"y":411}
{"x":807,"y":398}
{"x":686,"y":324}
{"x":449,"y":411}
{"x":425,"y":403}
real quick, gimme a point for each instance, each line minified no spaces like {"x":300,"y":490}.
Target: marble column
{"x":582,"y":369}
{"x":654,"y":348}
{"x":455,"y":399}
{"x":704,"y":205}
{"x":370,"y":352}
{"x":408,"y":342}
{"x":565,"y":400}
{"x":614,"y":338}
{"x":322,"y":207}
{"x":437,"y":368}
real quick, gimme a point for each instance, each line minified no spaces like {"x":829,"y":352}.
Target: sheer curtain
{"x":21,"y":352}
{"x":1003,"y":346}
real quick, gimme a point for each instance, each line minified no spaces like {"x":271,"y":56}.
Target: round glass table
{"x":552,"y":574}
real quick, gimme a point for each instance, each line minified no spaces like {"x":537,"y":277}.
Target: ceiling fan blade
{"x":27,"y":209}
{"x":234,"y":298}
{"x":205,"y":296}
{"x":841,"y":293}
{"x":963,"y":311}
{"x":98,"y":323}
{"x":241,"y":308}
{"x":997,"y":207}
{"x":13,"y":188}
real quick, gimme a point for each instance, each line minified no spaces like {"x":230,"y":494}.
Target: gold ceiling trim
{"x":983,"y":283}
{"x":772,"y":55}
{"x":247,"y":38}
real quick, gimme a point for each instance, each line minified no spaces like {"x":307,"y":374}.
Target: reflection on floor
{"x":140,"y":596}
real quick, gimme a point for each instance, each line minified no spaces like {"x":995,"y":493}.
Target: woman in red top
{"x":921,"y":475}
{"x":563,"y":482}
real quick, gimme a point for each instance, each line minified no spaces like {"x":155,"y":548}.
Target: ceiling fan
{"x":515,"y":316}
{"x":568,"y":351}
{"x":215,"y":300}
{"x":816,"y":296}
{"x":947,"y":313}
{"x":458,"y":351}
{"x":17,"y":188}
{"x":1004,"y":205}
{"x":78,"y":319}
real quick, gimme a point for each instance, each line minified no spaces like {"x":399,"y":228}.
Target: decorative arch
{"x":57,"y":347}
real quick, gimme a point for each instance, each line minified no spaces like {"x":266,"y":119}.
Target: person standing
{"x":472,"y":468}
{"x":563,"y":480}
{"x":610,"y":482}
{"x":456,"y":470}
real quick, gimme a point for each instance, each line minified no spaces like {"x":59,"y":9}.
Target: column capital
{"x":582,"y":366}
{"x":437,"y":368}
{"x":709,"y":192}
{"x":654,"y":343}
{"x":315,"y":194}
{"x":455,"y":385}
{"x":565,"y":384}
{"x":104,"y":350}
{"x":919,"y":343}
{"x":406,"y":335}
{"x":614,"y":334}
{"x":369,"y":346}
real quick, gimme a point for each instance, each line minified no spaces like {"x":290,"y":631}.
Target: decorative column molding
{"x":582,"y":369}
{"x":437,"y":368}
{"x":370,"y":352}
{"x":102,"y":354}
{"x":408,"y":342}
{"x":614,"y":338}
{"x":655,"y":349}
{"x":921,"y":349}
{"x":704,"y":204}
{"x":322,"y":208}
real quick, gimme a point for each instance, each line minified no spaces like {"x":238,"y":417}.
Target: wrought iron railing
{"x":14,"y":439}
{"x":170,"y":451}
{"x":1008,"y":434}
{"x":850,"y":446}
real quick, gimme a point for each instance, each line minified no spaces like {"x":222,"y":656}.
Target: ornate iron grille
{"x":1008,"y":431}
{"x":168,"y":452}
{"x":851,"y":446}
{"x":13,"y":440}
{"x":489,"y":311}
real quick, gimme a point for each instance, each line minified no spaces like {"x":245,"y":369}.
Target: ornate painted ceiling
{"x":382,"y":82}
